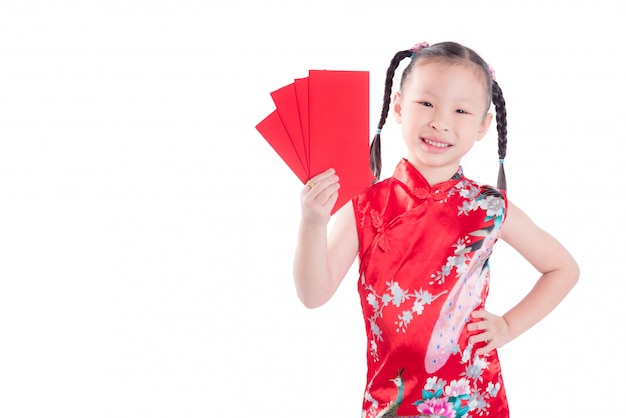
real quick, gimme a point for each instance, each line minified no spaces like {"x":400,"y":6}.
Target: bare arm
{"x":559,"y":273}
{"x":321,"y":261}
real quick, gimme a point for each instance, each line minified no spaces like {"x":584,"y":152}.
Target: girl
{"x":424,"y":237}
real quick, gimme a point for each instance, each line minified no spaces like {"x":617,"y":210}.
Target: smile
{"x":435,"y":144}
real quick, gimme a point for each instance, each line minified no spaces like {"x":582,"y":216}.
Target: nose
{"x":439,"y":122}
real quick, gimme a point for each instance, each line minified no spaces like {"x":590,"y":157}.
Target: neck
{"x":436,"y":175}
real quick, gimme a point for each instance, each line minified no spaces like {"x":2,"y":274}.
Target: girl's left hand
{"x":492,"y":330}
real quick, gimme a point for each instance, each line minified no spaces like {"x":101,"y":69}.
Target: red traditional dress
{"x":424,"y":268}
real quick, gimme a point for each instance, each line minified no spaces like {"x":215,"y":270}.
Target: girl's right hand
{"x":318,"y":197}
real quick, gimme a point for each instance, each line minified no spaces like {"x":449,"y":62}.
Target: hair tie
{"x":501,"y":160}
{"x":492,"y":72}
{"x":378,"y":131}
{"x":418,"y":47}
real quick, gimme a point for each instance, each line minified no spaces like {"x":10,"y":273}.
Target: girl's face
{"x":443,"y":110}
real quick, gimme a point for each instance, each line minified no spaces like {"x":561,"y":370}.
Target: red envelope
{"x":322,"y":122}
{"x":287,"y":106}
{"x":275,"y":134}
{"x":302,"y":96}
{"x":339,"y":128}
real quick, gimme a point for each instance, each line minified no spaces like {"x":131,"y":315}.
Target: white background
{"x":147,"y":229}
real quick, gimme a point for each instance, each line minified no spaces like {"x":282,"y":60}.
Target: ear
{"x":397,"y":107}
{"x":484,"y":126}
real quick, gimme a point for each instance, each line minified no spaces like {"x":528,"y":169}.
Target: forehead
{"x":459,"y":77}
{"x":445,"y":65}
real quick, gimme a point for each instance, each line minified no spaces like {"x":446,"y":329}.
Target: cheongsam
{"x":424,"y":268}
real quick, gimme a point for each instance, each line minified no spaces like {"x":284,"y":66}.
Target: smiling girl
{"x":423,"y":238}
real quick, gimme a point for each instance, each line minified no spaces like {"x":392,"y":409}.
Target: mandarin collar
{"x":417,"y":183}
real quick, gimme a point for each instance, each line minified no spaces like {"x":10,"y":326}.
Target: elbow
{"x":570,"y":273}
{"x":575,"y":275}
{"x":311,"y":297}
{"x":312,"y":293}
{"x":309,"y":301}
{"x":310,"y":305}
{"x":573,"y":270}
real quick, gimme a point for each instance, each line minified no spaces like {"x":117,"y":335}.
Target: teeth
{"x":436,"y":144}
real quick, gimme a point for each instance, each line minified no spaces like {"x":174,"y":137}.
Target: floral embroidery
{"x":460,"y":397}
{"x":458,"y":261}
{"x":396,"y":296}
{"x":439,"y":407}
{"x":490,"y":201}
{"x":494,"y":206}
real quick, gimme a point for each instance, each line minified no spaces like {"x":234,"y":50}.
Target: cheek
{"x":412,"y":118}
{"x":473,"y":127}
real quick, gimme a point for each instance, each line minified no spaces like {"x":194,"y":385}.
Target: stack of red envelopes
{"x":321,"y":122}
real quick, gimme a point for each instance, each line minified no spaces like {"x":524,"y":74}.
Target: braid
{"x":375,"y":158}
{"x":498,"y":101}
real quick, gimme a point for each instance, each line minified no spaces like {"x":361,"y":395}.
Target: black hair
{"x":450,"y":51}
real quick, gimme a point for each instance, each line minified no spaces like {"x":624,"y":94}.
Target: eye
{"x":427,"y":104}
{"x":462,"y":112}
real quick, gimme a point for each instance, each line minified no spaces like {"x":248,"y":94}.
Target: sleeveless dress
{"x":424,"y":267}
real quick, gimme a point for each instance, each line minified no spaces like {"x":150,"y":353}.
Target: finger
{"x":485,"y":350}
{"x":485,"y":347}
{"x":478,"y":326}
{"x":320,"y":177}
{"x":482,"y":314}
{"x":330,"y":202}
{"x":318,"y":188}
{"x":320,"y":199}
{"x":327,"y":193}
{"x":478,"y":321}
{"x":483,"y":337}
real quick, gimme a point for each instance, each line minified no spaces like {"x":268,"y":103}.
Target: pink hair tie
{"x":492,"y":72}
{"x":418,"y":47}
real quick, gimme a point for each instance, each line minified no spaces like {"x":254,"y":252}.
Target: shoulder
{"x":371,"y":193}
{"x":481,"y":199}
{"x":488,"y":190}
{"x":474,"y":190}
{"x":482,"y":188}
{"x":495,"y":198}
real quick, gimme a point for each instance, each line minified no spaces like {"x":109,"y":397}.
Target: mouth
{"x":434,"y":143}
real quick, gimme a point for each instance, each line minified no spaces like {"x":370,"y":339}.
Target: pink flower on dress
{"x":457,"y":388}
{"x":437,"y":407}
